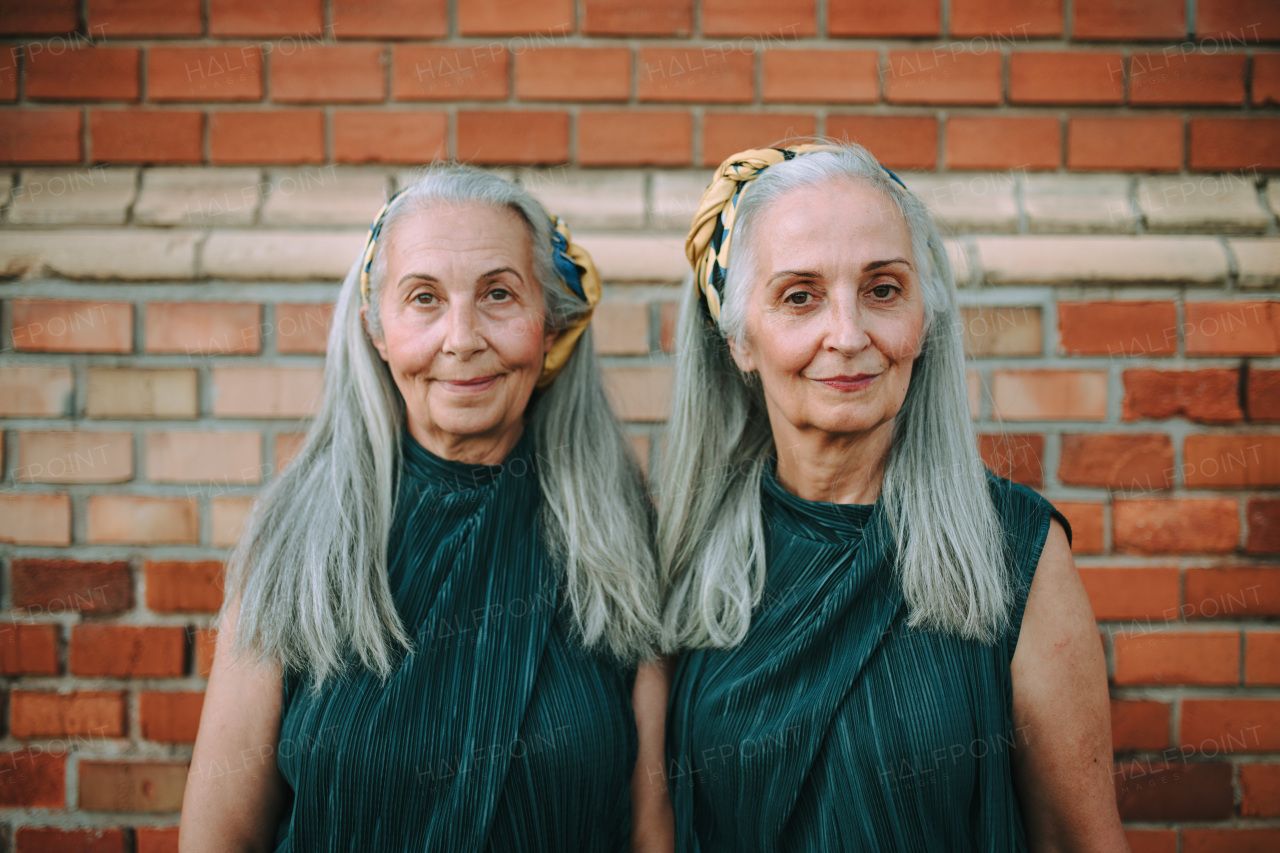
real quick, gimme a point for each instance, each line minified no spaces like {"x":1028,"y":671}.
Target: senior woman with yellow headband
{"x":887,"y":646}
{"x":434,"y":616}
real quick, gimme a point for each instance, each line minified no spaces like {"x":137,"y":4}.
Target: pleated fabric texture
{"x":498,"y":732}
{"x":835,"y":727}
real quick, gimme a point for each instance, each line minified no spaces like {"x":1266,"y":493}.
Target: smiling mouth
{"x":480,"y":383}
{"x":854,"y":382}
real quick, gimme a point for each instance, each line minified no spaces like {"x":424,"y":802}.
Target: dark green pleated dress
{"x":498,"y":732}
{"x":833,"y":726}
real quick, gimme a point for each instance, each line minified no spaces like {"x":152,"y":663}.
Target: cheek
{"x":520,"y":340}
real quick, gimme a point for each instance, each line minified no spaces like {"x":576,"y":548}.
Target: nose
{"x":845,"y":332}
{"x":462,"y":337}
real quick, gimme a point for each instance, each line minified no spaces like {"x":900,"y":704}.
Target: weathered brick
{"x":1181,"y":526}
{"x":92,"y":713}
{"x":1133,"y":462}
{"x":198,"y":197}
{"x":132,"y":254}
{"x":278,"y":254}
{"x":46,"y":325}
{"x":134,"y":786}
{"x":74,"y":456}
{"x":1232,"y":328}
{"x":124,"y":651}
{"x":639,"y":257}
{"x":226,"y":458}
{"x":58,"y":586}
{"x":1258,"y":261}
{"x":1231,"y":461}
{"x":1118,"y":329}
{"x":1087,"y":260}
{"x":28,"y":391}
{"x":634,"y":137}
{"x":266,"y":392}
{"x":97,"y":196}
{"x":996,"y":330}
{"x":1201,"y":203}
{"x":639,"y":393}
{"x":982,"y":202}
{"x":1068,"y":395}
{"x":124,"y":392}
{"x":590,"y":200}
{"x":1077,"y":203}
{"x":133,"y":519}
{"x":1208,"y":396}
{"x":203,"y":328}
{"x":35,"y":519}
{"x":170,"y":716}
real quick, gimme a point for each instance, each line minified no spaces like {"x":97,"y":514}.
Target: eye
{"x":884,"y":290}
{"x":501,"y":294}
{"x":426,"y":297}
{"x":798,"y":297}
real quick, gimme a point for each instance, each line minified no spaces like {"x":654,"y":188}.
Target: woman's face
{"x":835,"y":314}
{"x":463,"y":325}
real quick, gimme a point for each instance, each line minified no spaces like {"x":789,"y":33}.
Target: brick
{"x":1076,"y":260}
{"x":1117,"y":329}
{"x":40,"y":136}
{"x":869,"y":18}
{"x":136,"y":520}
{"x":1207,"y":396}
{"x":100,"y":254}
{"x":48,"y":839}
{"x":623,"y":17}
{"x":980,"y":202}
{"x":118,"y":392}
{"x":281,"y":18}
{"x":1262,"y":659}
{"x":936,"y":77}
{"x":1122,"y":593}
{"x":1164,"y":79}
{"x":1266,"y":79}
{"x":27,"y":649}
{"x":222,"y":73}
{"x":1258,"y":261}
{"x":58,"y":586}
{"x":266,"y":137}
{"x":897,"y":141}
{"x":146,"y":136}
{"x":621,"y":328}
{"x":1234,"y":143}
{"x":996,"y":330}
{"x":1263,"y":516}
{"x":1140,"y":725}
{"x":1238,"y":21}
{"x":821,"y":76}
{"x":118,"y":18}
{"x":90,"y":713}
{"x":302,"y":328}
{"x":124,"y":651}
{"x":33,"y":779}
{"x":1232,"y":592}
{"x":1184,"y":791}
{"x":1175,"y":526}
{"x":696,"y":75}
{"x":332,"y":73}
{"x":633,"y":137}
{"x":512,"y":17}
{"x":74,"y":456}
{"x":1066,"y":77}
{"x":1203,"y":203}
{"x":421,"y":73}
{"x":779,"y":18}
{"x":675,"y":198}
{"x":1260,"y":786}
{"x":35,"y":519}
{"x":513,"y":137}
{"x":1232,"y":461}
{"x":1229,"y":840}
{"x":1077,"y":203}
{"x":1263,"y":394}
{"x":266,"y":392}
{"x":203,"y":328}
{"x":206,"y":642}
{"x":591,"y":199}
{"x":1053,"y":395}
{"x":285,"y":255}
{"x":725,"y":134}
{"x":156,"y":839}
{"x":1157,"y":20}
{"x":288,"y":446}
{"x":640,"y":257}
{"x":226,"y":458}
{"x":1124,"y":143}
{"x":1086,"y":526}
{"x":1232,"y":328}
{"x":35,"y":391}
{"x":198,"y":197}
{"x":639,"y":393}
{"x":1168,"y":657}
{"x":1018,"y":457}
{"x":55,"y":326}
{"x":323,"y":196}
{"x":73,"y":196}
{"x":135,"y":786}
{"x":228,"y":517}
{"x":1011,"y":19}
{"x":170,"y":716}
{"x":394,"y":19}
{"x":985,"y":142}
{"x":574,"y":74}
{"x":84,"y":74}
{"x":1230,"y":725}
{"x":22,"y":17}
{"x":383,"y":136}
{"x":1135,"y":462}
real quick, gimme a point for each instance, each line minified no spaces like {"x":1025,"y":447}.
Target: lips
{"x":848,"y":382}
{"x":479,"y":383}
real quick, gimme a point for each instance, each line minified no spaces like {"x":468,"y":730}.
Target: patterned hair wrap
{"x":572,"y":264}
{"x":707,"y":246}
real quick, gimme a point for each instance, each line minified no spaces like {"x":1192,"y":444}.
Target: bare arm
{"x":1061,"y":714}
{"x":652,"y":822}
{"x":234,"y":790}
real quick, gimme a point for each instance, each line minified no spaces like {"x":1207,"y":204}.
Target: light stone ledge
{"x":1083,"y":204}
{"x":1257,"y":261}
{"x":1156,"y":259}
{"x":1202,"y":204}
{"x":203,"y":197}
{"x":324,"y":196}
{"x":92,"y":196}
{"x":100,"y":254}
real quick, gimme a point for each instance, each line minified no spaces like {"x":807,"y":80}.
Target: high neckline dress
{"x":835,"y":727}
{"x":498,"y":732}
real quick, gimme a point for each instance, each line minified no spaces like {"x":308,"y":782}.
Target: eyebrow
{"x":422,"y":276}
{"x":873,"y":265}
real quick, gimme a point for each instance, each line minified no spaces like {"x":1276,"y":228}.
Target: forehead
{"x":459,"y":233}
{"x":840,"y":219}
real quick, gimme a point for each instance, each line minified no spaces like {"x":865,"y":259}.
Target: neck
{"x":486,"y":449}
{"x":842,"y":469}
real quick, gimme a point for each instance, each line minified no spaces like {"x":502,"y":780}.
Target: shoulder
{"x":1023,"y":511}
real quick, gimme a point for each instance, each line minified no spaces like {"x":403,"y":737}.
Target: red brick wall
{"x":185,"y":181}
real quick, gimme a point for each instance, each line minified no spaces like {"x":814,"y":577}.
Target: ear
{"x":742,"y":355}
{"x":378,"y":344}
{"x":549,"y":339}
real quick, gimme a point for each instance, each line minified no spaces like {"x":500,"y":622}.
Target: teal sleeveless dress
{"x":835,"y":727}
{"x":498,"y":732}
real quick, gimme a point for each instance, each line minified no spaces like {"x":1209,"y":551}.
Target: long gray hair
{"x":711,"y":546}
{"x":310,"y":567}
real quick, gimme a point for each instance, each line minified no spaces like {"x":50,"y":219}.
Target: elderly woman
{"x":434,"y":616}
{"x":889,"y":646}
